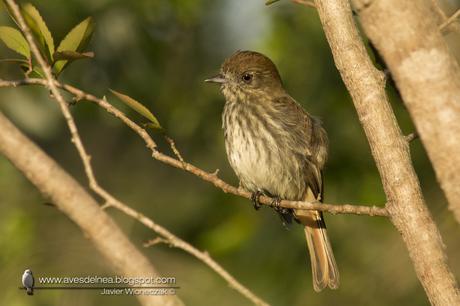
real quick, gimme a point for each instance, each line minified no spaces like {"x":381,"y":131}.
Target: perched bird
{"x":28,"y":281}
{"x":276,"y":149}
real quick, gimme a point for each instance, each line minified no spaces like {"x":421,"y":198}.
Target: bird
{"x":276,"y":149}
{"x":28,"y":281}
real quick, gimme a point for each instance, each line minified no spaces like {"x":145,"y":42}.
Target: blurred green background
{"x":159,"y":52}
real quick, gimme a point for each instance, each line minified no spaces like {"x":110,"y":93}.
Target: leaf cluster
{"x":70,"y":49}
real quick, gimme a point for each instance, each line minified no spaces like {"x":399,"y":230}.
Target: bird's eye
{"x":247,"y":77}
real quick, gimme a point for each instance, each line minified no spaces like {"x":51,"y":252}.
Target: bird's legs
{"x":286,"y":214}
{"x":255,"y":199}
{"x":276,"y":206}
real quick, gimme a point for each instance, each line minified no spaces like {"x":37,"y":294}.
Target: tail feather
{"x":324,"y":268}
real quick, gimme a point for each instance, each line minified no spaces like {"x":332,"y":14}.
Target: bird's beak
{"x":216,"y":79}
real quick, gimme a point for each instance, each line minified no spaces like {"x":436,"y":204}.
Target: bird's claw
{"x":276,"y":202}
{"x":255,"y":199}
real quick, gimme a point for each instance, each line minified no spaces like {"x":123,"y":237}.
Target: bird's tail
{"x":30,"y":290}
{"x":323,"y":265}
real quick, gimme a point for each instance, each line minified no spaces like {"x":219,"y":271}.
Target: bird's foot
{"x":284,"y":213}
{"x":255,"y":199}
{"x":276,"y":202}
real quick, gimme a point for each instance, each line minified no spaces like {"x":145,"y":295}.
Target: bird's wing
{"x":296,"y":123}
{"x":307,"y":137}
{"x":28,"y":280}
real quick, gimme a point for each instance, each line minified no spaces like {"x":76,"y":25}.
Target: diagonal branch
{"x":76,"y":203}
{"x":305,"y":2}
{"x":50,"y":83}
{"x":447,"y":24}
{"x":176,"y":242}
{"x":444,"y":26}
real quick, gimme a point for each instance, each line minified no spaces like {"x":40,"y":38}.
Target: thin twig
{"x":305,"y":2}
{"x":179,"y":243}
{"x":51,"y":83}
{"x":174,"y":148}
{"x":447,"y":23}
{"x":105,"y":205}
{"x":411,"y":137}
{"x":155,"y":241}
{"x":206,"y":176}
{"x":439,"y":10}
{"x":443,"y":27}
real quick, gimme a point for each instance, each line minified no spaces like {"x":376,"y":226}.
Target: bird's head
{"x":28,"y":271}
{"x":248,"y":73}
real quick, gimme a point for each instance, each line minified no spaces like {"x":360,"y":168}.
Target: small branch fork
{"x":448,"y":23}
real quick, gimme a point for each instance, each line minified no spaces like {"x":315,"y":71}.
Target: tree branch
{"x":442,"y":17}
{"x":444,"y":26}
{"x":305,"y":3}
{"x":174,"y":241}
{"x":389,"y":148}
{"x":204,"y":175}
{"x":411,"y":137}
{"x":428,"y":78}
{"x":71,"y":198}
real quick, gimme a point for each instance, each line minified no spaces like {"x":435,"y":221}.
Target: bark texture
{"x":69,"y":197}
{"x":407,"y":35}
{"x":390,"y":150}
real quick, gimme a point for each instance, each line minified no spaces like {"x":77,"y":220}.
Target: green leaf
{"x":155,"y":127}
{"x":14,"y":60}
{"x":76,"y":40}
{"x":35,"y":72}
{"x":268,"y":2}
{"x":138,"y":107}
{"x":14,"y":40}
{"x":71,"y":55}
{"x":38,"y":26}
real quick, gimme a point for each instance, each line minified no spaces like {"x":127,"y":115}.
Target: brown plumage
{"x":276,"y":148}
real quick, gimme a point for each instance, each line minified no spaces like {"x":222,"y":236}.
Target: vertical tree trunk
{"x":391,"y":152}
{"x":406,"y":35}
